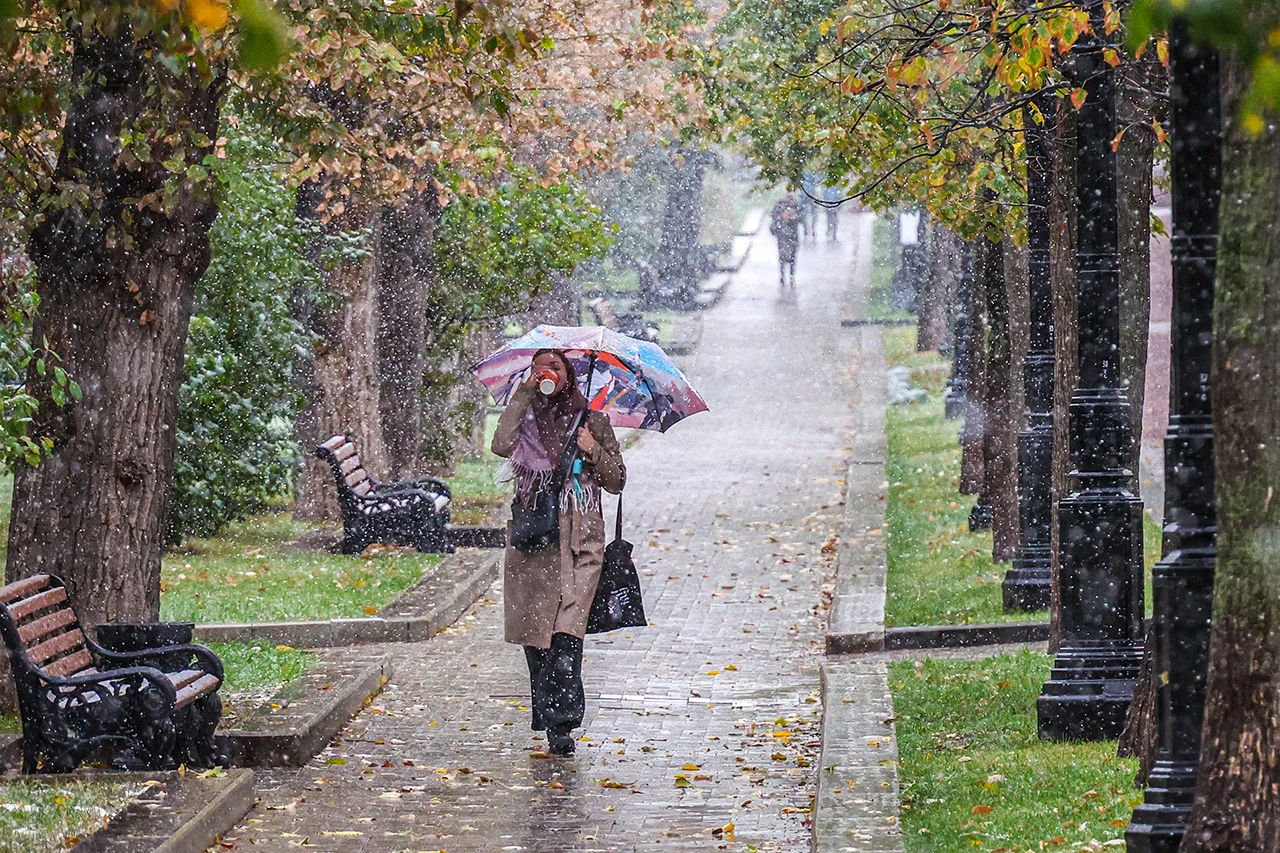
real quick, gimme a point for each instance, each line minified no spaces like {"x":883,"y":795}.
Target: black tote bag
{"x":617,"y":603}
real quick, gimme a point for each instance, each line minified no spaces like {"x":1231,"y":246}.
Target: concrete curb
{"x":183,"y":814}
{"x":960,"y":636}
{"x":302,"y":718}
{"x":445,"y":593}
{"x":856,"y":622}
{"x":857,"y":805}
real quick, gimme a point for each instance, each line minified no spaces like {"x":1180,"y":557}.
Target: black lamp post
{"x":957,"y":388}
{"x":1100,"y":521}
{"x":1183,"y":580}
{"x":1026,"y":584}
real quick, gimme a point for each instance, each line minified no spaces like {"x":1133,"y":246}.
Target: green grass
{"x":475,"y":494}
{"x":260,"y":667}
{"x":256,"y":571}
{"x":36,"y":817}
{"x":976,"y":777}
{"x":885,"y":258}
{"x":939,"y":573}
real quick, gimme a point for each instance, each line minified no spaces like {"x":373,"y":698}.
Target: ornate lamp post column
{"x":1026,"y":585}
{"x":1183,"y":580}
{"x":1100,"y":521}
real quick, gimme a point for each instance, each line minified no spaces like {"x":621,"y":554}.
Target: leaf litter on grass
{"x":975,"y":776}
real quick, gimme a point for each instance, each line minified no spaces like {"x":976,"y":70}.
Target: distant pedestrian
{"x":809,"y":205}
{"x":785,"y":225}
{"x":549,"y":586}
{"x":831,"y":198}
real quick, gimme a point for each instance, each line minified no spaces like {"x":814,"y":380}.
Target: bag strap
{"x":570,"y":453}
{"x":617,"y":524}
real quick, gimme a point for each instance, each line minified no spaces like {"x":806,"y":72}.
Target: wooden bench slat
{"x":203,"y":685}
{"x":344,"y":452}
{"x":350,"y":465}
{"x":69,"y":665}
{"x":363,"y":488}
{"x":356,"y":477}
{"x":36,"y":603}
{"x":37,"y":629}
{"x":334,"y":443}
{"x":23,"y":588}
{"x":60,"y":644}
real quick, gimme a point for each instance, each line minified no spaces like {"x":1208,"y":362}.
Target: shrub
{"x":237,"y":403}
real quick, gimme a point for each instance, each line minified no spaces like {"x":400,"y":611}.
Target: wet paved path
{"x":702,"y":730}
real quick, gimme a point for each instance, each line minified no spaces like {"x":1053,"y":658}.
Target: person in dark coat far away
{"x":785,"y":225}
{"x":548,"y":592}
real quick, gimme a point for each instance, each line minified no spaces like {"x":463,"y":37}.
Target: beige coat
{"x":551,"y":591}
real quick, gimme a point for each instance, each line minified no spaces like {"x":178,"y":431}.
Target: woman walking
{"x":560,"y":452}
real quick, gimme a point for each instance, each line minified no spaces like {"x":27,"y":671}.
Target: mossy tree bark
{"x":1062,"y":274}
{"x":1237,"y":806}
{"x":932,"y":309}
{"x":340,"y":376}
{"x":406,"y":270}
{"x":116,"y":285}
{"x":999,"y":450}
{"x":973,"y":432}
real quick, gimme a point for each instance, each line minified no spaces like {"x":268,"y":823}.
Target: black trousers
{"x":555,"y":679}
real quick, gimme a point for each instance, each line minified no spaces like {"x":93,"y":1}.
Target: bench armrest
{"x":435,"y":485}
{"x":130,"y":674}
{"x":209,"y":662}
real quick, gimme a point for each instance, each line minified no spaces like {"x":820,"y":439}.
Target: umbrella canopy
{"x":631,"y":381}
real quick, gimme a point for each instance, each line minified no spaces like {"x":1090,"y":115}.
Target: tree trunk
{"x":341,"y":378}
{"x":1000,"y":450}
{"x":406,"y":270}
{"x":116,"y":286}
{"x":931,"y":331}
{"x":974,"y":430}
{"x":678,"y":266}
{"x":1237,"y":805}
{"x":1062,"y":266}
{"x":1135,"y":104}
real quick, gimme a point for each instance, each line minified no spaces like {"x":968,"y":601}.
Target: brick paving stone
{"x":707,"y":718}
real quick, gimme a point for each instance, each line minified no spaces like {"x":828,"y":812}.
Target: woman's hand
{"x":587,"y":442}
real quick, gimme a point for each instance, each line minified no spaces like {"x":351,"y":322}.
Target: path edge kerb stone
{"x":137,"y":829}
{"x":462,"y":576}
{"x":857,"y":807}
{"x":856,"y":621}
{"x":293,"y":746}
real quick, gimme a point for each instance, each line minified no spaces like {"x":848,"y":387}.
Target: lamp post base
{"x":1026,"y":587}
{"x":1088,"y":693}
{"x":1158,"y":824}
{"x":980,"y":517}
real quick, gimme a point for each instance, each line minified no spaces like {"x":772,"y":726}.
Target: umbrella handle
{"x":591,"y":372}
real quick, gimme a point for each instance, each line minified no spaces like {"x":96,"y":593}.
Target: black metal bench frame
{"x":400,"y":513}
{"x":79,"y":700}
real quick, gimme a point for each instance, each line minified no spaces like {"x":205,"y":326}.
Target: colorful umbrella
{"x":631,"y":381}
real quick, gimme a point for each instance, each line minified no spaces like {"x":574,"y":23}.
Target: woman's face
{"x":551,"y":363}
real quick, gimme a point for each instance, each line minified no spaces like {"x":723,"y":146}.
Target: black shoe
{"x":559,"y":742}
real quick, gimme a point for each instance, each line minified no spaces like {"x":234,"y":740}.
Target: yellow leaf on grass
{"x":691,"y":767}
{"x":980,"y":809}
{"x":207,"y":14}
